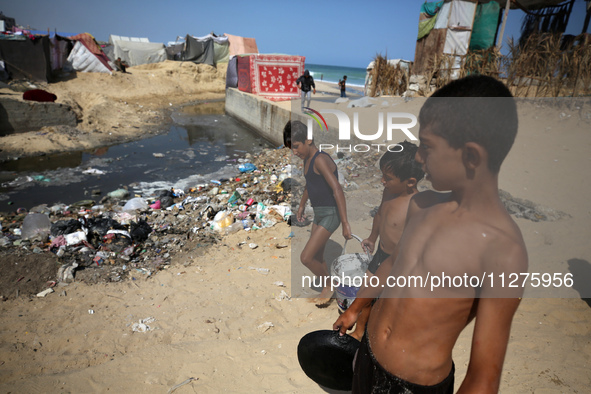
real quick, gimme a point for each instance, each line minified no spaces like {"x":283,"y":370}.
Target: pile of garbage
{"x":126,"y":235}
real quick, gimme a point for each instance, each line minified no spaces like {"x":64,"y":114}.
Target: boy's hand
{"x":347,"y":230}
{"x":368,"y":245}
{"x":300,"y":215}
{"x":345,"y":322}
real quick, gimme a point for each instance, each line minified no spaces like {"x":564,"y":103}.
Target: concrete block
{"x":18,"y":116}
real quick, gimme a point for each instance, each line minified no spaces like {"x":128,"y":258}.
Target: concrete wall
{"x":20,"y":116}
{"x":266,"y":117}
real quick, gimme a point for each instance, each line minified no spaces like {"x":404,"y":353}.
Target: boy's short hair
{"x":402,"y":164}
{"x":481,"y":110}
{"x":287,"y":135}
{"x":299,"y":131}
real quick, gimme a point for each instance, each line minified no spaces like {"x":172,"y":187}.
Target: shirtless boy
{"x":411,"y":331}
{"x":400,"y":175}
{"x":328,"y":201}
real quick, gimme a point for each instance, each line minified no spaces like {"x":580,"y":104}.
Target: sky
{"x":342,"y":33}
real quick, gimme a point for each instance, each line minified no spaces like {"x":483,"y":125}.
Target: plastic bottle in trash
{"x":247,"y":223}
{"x":233,"y":228}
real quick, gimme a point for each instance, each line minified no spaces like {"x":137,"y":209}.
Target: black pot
{"x":327,"y":358}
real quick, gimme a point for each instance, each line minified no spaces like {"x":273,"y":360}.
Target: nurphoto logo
{"x":393,"y":125}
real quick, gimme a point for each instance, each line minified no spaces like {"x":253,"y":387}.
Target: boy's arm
{"x":370,"y":242}
{"x":302,"y":207}
{"x":365,"y":295}
{"x":321,"y":164}
{"x":489,"y":344}
{"x":493,"y":325}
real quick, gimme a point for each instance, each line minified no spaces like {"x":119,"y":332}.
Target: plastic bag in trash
{"x":247,"y":167}
{"x":135,"y":203}
{"x":286,"y":184}
{"x":35,"y":225}
{"x":222,"y":220}
{"x":119,"y":193}
{"x":139,"y":231}
{"x":62,"y":227}
{"x":116,"y":241}
{"x":166,"y":202}
{"x":101,"y":226}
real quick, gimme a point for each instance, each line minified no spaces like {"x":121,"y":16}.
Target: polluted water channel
{"x":203,"y":144}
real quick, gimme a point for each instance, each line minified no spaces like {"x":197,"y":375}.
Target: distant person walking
{"x":306,"y":83}
{"x":342,"y":86}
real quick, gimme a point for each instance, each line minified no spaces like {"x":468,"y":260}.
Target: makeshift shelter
{"x":135,"y":51}
{"x":232,"y":73}
{"x":87,"y":55}
{"x":241,"y":45}
{"x":198,"y":51}
{"x":270,"y":76}
{"x":174,"y":49}
{"x":452,"y":27}
{"x":60,"y":48}
{"x":404,"y":66}
{"x":209,"y":49}
{"x":25,"y":57}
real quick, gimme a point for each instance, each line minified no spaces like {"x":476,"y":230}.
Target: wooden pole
{"x":587,"y":17}
{"x":500,"y":40}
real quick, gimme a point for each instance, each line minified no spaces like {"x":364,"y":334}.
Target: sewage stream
{"x":203,"y":144}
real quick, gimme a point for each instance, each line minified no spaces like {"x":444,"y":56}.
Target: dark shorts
{"x":371,"y":377}
{"x":327,"y":217}
{"x":377,"y":260}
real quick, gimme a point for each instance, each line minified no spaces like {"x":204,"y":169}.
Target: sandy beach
{"x":213,"y":322}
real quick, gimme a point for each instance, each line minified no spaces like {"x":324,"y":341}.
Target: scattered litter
{"x":93,"y":171}
{"x":253,"y":245}
{"x":181,"y":384}
{"x":283,"y":296}
{"x":142,"y":325}
{"x":265,"y":326}
{"x":263,"y":271}
{"x":45,"y":292}
{"x":279,"y":283}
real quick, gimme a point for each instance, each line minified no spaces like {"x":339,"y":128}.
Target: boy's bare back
{"x":411,"y":332}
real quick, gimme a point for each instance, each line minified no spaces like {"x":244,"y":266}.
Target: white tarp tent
{"x":82,"y":59}
{"x":136,"y":51}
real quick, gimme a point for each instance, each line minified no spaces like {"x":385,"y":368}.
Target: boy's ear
{"x":473,"y":155}
{"x":411,"y":182}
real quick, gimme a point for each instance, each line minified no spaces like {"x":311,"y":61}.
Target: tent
{"x":208,"y":49}
{"x":232,"y":73}
{"x":174,"y":49}
{"x":241,"y":45}
{"x":26,"y":58}
{"x":270,"y":76}
{"x":135,"y":51}
{"x":87,"y":55}
{"x":60,"y":48}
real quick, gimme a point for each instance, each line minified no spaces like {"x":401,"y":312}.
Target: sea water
{"x":332,"y":74}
